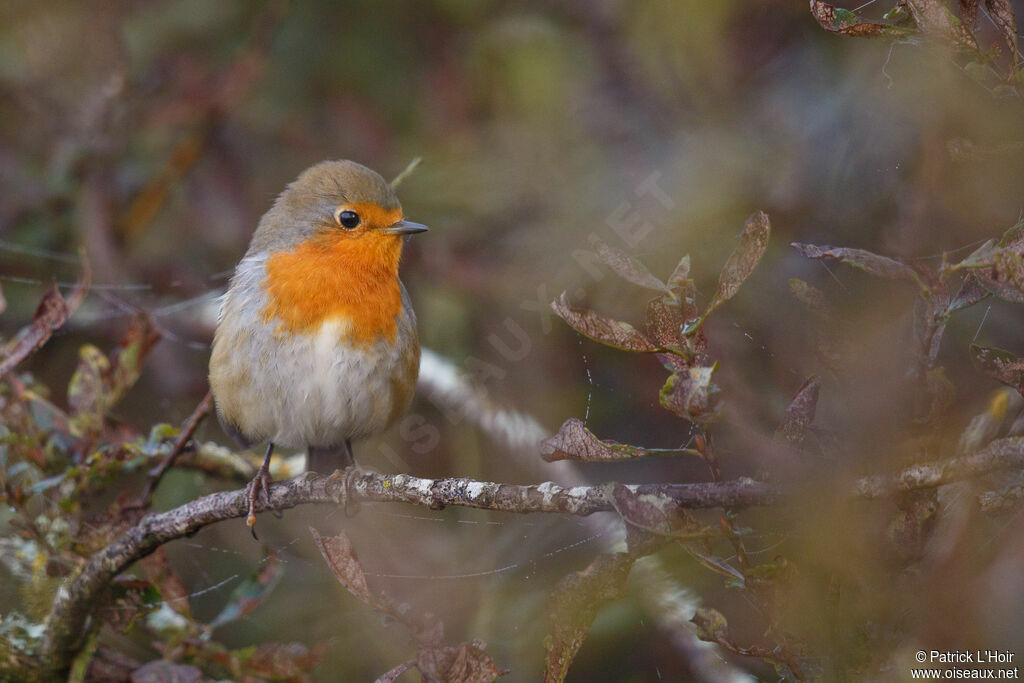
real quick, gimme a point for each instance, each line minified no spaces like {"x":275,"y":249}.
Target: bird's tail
{"x":327,"y":459}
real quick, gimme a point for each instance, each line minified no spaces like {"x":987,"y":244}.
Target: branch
{"x":999,"y":454}
{"x":75,"y":602}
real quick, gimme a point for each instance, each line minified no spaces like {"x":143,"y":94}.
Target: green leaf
{"x":247,"y":596}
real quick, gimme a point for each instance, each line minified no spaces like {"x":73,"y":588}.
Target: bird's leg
{"x":259,"y":487}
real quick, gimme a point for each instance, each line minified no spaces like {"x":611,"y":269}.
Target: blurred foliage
{"x":560,"y":144}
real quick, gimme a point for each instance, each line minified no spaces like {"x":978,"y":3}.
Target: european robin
{"x":316,"y":343}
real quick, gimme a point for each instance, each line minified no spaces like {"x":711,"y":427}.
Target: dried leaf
{"x":51,"y":313}
{"x":575,"y":602}
{"x":470,"y":663}
{"x":127,"y":359}
{"x":1005,"y":278}
{"x":665,"y":322}
{"x":691,"y":395}
{"x":341,"y":558}
{"x":971,"y":292}
{"x":626,"y":266}
{"x":935,"y":20}
{"x":247,"y":596}
{"x":655,"y":514}
{"x":967,"y":11}
{"x":845,"y":22}
{"x":164,"y":671}
{"x":289,"y":661}
{"x":575,"y":442}
{"x":743,"y":260}
{"x":158,"y":570}
{"x":711,"y":625}
{"x":601,"y":328}
{"x":800,"y":413}
{"x":811,"y":297}
{"x":1001,"y":12}
{"x":1000,"y":365}
{"x":880,"y":266}
{"x":680,"y":277}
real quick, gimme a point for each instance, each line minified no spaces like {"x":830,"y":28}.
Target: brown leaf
{"x":935,"y":20}
{"x":880,"y":266}
{"x":664,"y":322}
{"x":289,"y":661}
{"x":743,"y":260}
{"x":800,"y":413}
{"x":626,"y":266}
{"x":845,"y":22}
{"x":341,"y":558}
{"x":1001,"y":12}
{"x":51,"y":313}
{"x":575,"y":442}
{"x":811,"y":297}
{"x":1000,"y":365}
{"x":575,"y":602}
{"x":691,"y":395}
{"x":1005,"y":278}
{"x":601,"y":328}
{"x":967,"y":11}
{"x":971,"y":292}
{"x":470,"y":663}
{"x":127,"y":359}
{"x":654,"y":514}
{"x":158,"y":570}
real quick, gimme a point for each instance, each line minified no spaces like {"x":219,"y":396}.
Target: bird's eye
{"x":348,"y":219}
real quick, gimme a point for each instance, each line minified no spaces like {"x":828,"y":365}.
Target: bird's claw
{"x":258,"y":489}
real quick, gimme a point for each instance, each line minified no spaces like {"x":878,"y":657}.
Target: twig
{"x":187,"y":430}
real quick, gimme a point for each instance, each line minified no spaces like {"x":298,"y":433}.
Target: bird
{"x":316,"y":342}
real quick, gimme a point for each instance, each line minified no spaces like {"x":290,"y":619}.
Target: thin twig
{"x":187,"y":430}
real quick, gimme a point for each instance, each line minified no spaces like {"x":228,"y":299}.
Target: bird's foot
{"x":257,"y":490}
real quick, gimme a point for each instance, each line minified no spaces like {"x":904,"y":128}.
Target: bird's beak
{"x":406,"y":228}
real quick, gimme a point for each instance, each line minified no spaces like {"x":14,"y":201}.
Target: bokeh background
{"x":155,"y":134}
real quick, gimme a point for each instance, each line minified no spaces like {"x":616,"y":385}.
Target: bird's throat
{"x":336,"y":278}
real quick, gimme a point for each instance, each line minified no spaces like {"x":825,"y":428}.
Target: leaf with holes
{"x":837,"y":20}
{"x":743,"y":260}
{"x":601,"y":328}
{"x":936,"y":21}
{"x":626,"y":266}
{"x":999,"y":364}
{"x":575,"y":442}
{"x":574,"y":603}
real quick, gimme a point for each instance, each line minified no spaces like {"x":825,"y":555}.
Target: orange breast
{"x":337,"y":276}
